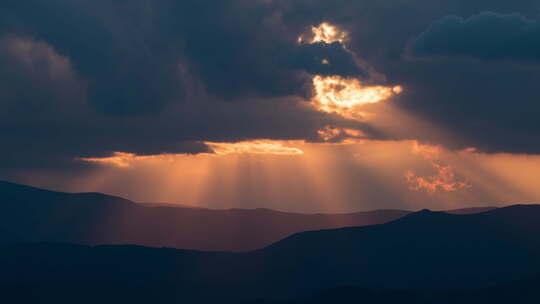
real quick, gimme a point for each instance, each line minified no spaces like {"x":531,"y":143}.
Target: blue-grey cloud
{"x":485,"y":36}
{"x":146,"y":77}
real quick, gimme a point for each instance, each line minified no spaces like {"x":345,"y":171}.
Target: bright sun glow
{"x":324,"y":32}
{"x":328,"y":33}
{"x":345,"y":96}
{"x":336,"y":94}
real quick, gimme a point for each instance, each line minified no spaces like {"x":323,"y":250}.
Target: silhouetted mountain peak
{"x":11,"y":191}
{"x":424,"y":215}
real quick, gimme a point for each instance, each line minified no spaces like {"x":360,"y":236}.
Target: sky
{"x":295,"y":105}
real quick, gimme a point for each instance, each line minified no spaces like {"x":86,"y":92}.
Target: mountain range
{"x":422,"y":257}
{"x":37,"y":215}
{"x":424,"y":253}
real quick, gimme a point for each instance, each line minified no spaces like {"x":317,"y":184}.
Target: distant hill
{"x":426,"y":249}
{"x":169,"y":205}
{"x":470,"y":210}
{"x":37,"y":215}
{"x":431,"y":253}
{"x":92,"y":218}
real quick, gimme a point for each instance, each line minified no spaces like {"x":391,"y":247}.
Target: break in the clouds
{"x":485,"y":36}
{"x":87,"y":79}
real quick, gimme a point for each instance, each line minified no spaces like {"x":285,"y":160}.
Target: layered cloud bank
{"x":86,"y":83}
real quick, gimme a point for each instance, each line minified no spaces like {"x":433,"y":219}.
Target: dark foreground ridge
{"x":425,"y":257}
{"x":35,"y":215}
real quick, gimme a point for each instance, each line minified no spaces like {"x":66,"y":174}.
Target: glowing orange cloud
{"x":444,"y":180}
{"x":329,"y":133}
{"x":124,"y":160}
{"x":346,"y":96}
{"x":346,"y":135}
{"x":339,"y":95}
{"x":269,"y":147}
{"x":254,"y":147}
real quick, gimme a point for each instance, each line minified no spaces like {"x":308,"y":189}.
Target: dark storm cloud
{"x":486,"y":36}
{"x":85,"y":78}
{"x":53,"y":148}
{"x":108,"y":43}
{"x":325,"y":59}
{"x":482,"y":80}
{"x":89,"y":78}
{"x":130,"y":50}
{"x":488,"y":104}
{"x":34,"y":79}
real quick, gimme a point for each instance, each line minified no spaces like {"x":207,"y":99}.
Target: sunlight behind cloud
{"x":341,"y":135}
{"x":124,"y":160}
{"x":330,"y":176}
{"x":324,"y":32}
{"x":254,"y":147}
{"x":340,"y":95}
{"x":328,"y":33}
{"x":346,"y":96}
{"x":268,"y":147}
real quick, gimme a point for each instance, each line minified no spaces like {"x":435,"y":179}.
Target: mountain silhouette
{"x":6,"y":237}
{"x":431,"y":253}
{"x":423,"y":249}
{"x":37,"y":215}
{"x":524,"y":291}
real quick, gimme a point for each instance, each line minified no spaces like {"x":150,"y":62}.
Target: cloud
{"x":444,"y":178}
{"x":489,"y":101}
{"x":83,"y":79}
{"x":346,"y":96}
{"x":37,"y":82}
{"x":149,"y":77}
{"x":108,"y":44}
{"x":268,"y":147}
{"x":335,"y":135}
{"x":489,"y":35}
{"x":324,"y":59}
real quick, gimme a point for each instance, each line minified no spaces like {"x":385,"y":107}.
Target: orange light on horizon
{"x":329,"y":175}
